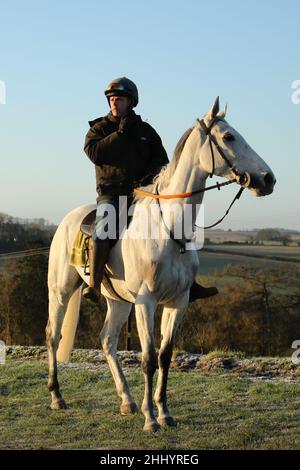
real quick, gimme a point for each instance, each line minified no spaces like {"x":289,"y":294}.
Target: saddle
{"x":88,"y":223}
{"x":80,"y":252}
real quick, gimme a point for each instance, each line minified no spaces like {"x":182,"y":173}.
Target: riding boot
{"x":199,"y":292}
{"x":98,"y":255}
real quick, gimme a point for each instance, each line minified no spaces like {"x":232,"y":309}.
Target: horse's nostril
{"x":269,"y":179}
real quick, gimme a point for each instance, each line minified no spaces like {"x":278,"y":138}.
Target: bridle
{"x":242,"y":179}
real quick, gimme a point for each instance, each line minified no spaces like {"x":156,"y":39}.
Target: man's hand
{"x":126,"y":123}
{"x":147,"y":179}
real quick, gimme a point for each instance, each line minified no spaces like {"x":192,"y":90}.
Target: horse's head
{"x":226,"y":153}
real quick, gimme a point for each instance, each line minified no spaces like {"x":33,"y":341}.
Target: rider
{"x":126,"y":152}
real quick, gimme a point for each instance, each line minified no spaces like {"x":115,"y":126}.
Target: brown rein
{"x":182,"y":195}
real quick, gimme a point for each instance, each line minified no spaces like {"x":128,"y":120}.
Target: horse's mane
{"x":167,"y":171}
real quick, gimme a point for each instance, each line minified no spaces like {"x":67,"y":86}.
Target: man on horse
{"x":126,"y":152}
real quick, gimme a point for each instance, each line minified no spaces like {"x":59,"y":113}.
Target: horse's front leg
{"x":117,"y":314}
{"x":171,"y":319}
{"x":57,"y":307}
{"x":144,"y":310}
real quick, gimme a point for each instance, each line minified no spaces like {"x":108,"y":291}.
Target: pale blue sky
{"x":56,"y":57}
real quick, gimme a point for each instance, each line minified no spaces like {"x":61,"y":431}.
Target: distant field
{"x":214,"y":261}
{"x":222,"y":236}
{"x":290,"y":252}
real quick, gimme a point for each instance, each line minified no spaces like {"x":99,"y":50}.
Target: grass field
{"x":214,"y":261}
{"x":287,"y":252}
{"x":213,"y":410}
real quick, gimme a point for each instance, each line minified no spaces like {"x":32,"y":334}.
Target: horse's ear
{"x":222,"y":113}
{"x":214,"y":109}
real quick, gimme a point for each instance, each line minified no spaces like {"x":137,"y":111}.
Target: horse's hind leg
{"x":116,"y":316}
{"x":58,"y":302}
{"x":171,"y":318}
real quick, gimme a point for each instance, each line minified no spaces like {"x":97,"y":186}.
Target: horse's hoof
{"x":58,"y":405}
{"x":167,"y":421}
{"x":128,"y":409}
{"x":151,"y":427}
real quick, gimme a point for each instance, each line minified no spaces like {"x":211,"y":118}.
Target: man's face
{"x":119,"y":105}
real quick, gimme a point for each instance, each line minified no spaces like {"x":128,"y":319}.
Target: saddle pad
{"x":78,"y":254}
{"x":77,"y":257}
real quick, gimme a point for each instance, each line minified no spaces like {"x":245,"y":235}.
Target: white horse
{"x":146,"y":271}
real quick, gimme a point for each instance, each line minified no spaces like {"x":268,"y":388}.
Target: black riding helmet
{"x":123,"y":87}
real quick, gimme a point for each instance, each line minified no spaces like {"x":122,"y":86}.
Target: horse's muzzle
{"x":264,"y":184}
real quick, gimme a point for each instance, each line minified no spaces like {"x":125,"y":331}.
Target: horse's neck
{"x":189,"y":176}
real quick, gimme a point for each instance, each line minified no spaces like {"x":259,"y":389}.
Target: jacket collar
{"x":112,"y":118}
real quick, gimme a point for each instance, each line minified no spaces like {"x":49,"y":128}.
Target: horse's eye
{"x":229,"y":137}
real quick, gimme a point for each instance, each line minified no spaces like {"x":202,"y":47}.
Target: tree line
{"x":17,"y":236}
{"x":257,"y":311}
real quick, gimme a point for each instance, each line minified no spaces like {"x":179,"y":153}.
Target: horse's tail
{"x":69,"y":327}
